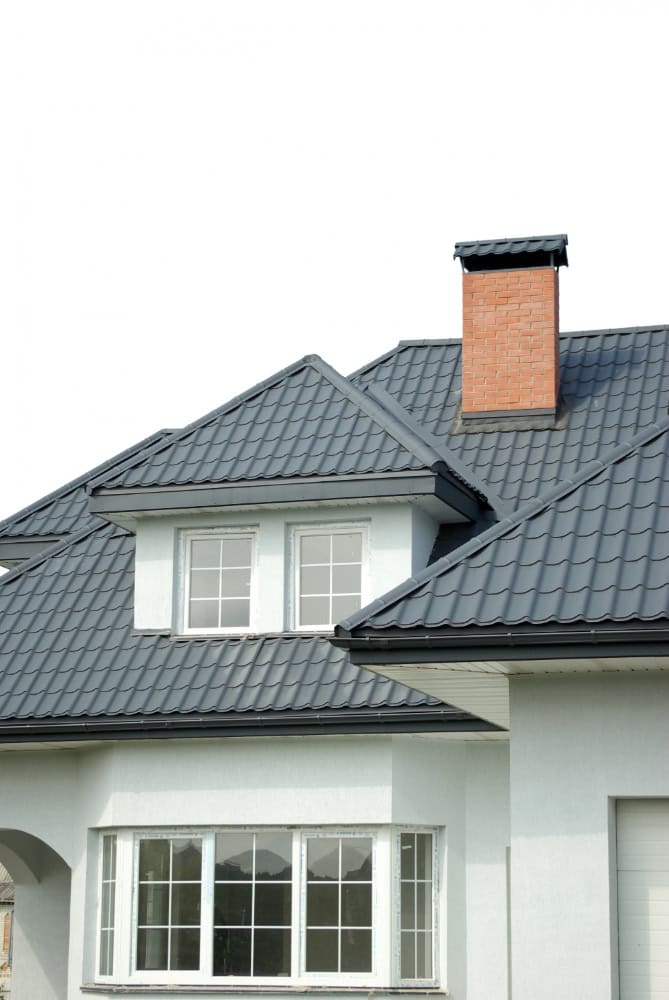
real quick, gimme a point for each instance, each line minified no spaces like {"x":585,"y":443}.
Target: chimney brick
{"x":510,"y":348}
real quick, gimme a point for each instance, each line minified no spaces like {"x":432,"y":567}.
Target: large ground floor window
{"x":268,"y":906}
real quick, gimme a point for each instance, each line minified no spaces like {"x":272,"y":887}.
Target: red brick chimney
{"x":510,"y":348}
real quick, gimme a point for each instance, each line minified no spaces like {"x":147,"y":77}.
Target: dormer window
{"x":330,"y":574}
{"x":219,"y":570}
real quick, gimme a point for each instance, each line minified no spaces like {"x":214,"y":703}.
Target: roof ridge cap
{"x":446,"y":455}
{"x":533,"y":507}
{"x":54,"y":550}
{"x":231,"y":404}
{"x":82,"y":480}
{"x":377,"y":412}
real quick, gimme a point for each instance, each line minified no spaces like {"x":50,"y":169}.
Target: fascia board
{"x":449,"y":491}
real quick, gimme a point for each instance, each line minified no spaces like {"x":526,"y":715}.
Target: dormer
{"x":286,"y":509}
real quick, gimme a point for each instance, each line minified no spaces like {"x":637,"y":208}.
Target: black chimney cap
{"x":507,"y":254}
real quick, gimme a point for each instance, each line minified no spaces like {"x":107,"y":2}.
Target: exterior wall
{"x":41,"y":931}
{"x":510,"y":350}
{"x":298,"y":781}
{"x":395,"y":529}
{"x":578,"y":744}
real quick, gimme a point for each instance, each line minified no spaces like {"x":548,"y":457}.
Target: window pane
{"x":187,"y":860}
{"x":205,"y":552}
{"x":423,"y":956}
{"x":232,"y":953}
{"x":152,"y":948}
{"x":322,"y":905}
{"x":185,"y":948}
{"x":273,"y":856}
{"x":342,"y":607}
{"x":108,"y":856}
{"x":323,"y":858}
{"x":272,"y":904}
{"x":424,"y":906}
{"x":235,"y":614}
{"x":346,"y":579}
{"x":356,"y":951}
{"x":152,"y":905}
{"x":408,"y":855}
{"x":356,"y":905}
{"x":424,"y":855}
{"x":106,"y":945}
{"x":154,"y":860}
{"x":204,"y":583}
{"x":236,"y":552}
{"x":203,"y":614}
{"x":408,"y":955}
{"x":356,"y":858}
{"x":314,"y":611}
{"x":322,"y":951}
{"x":186,"y":903}
{"x":234,"y":856}
{"x":236,"y":583}
{"x":408,"y":905}
{"x":315,"y":580}
{"x":314,"y":549}
{"x":347,"y":547}
{"x":233,"y":903}
{"x":271,"y":953}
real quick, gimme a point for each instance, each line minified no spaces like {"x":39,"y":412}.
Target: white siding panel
{"x":643,"y":898}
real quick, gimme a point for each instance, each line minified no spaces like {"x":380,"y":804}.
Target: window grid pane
{"x":220,"y":582}
{"x":107,"y":904}
{"x":330,"y":577}
{"x":253,"y":905}
{"x":169,"y":907}
{"x":416,"y":905}
{"x":339,"y":904}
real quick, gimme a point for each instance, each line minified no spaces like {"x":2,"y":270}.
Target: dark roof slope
{"x":68,"y":651}
{"x":613,"y":383}
{"x":66,"y":509}
{"x":595,"y":549}
{"x":305,"y":421}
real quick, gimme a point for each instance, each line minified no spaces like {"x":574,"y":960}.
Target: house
{"x":357,"y":685}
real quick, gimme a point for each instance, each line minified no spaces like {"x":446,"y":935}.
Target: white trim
{"x":306,"y":529}
{"x":184,"y":577}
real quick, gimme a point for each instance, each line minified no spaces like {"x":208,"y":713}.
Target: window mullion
{"x":207,"y":906}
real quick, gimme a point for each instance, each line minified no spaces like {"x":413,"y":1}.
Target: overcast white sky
{"x":195,"y":194}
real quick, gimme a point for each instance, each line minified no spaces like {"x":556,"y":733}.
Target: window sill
{"x":274,"y":991}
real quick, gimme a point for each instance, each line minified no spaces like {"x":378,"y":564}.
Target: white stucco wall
{"x":578,"y":743}
{"x":400,"y":534}
{"x":301,"y":781}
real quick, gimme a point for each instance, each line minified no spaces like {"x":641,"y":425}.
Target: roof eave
{"x":438,"y":483}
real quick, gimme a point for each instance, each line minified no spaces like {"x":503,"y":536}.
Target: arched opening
{"x":41,"y":918}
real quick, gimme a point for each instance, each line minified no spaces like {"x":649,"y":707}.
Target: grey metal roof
{"x":66,"y":509}
{"x":613,"y":384}
{"x":68,"y":651}
{"x":306,"y":421}
{"x":526,"y":246}
{"x":595,"y":549}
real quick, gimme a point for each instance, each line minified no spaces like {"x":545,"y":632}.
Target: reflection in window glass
{"x":253,"y":904}
{"x":168,"y":903}
{"x":416,"y":905}
{"x":330,"y":577}
{"x":220,"y":582}
{"x":339,"y":904}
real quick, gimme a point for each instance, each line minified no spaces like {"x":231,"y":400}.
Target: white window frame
{"x":433,"y":980}
{"x":110,"y":978}
{"x":299,"y":531}
{"x":385,"y":911}
{"x":187,"y":536}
